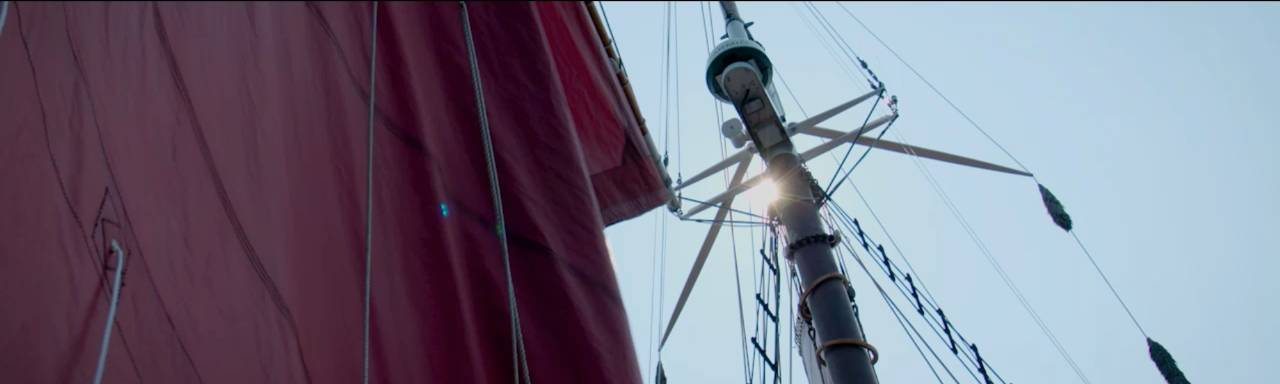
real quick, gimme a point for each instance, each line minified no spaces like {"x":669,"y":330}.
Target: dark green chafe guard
{"x":1164,"y":362}
{"x":1161,"y":356}
{"x":1059,"y":214}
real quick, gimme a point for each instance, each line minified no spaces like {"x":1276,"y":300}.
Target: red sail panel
{"x":224,"y":147}
{"x":624,"y":175}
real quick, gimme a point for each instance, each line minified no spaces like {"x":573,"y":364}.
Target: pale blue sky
{"x":1154,"y":123}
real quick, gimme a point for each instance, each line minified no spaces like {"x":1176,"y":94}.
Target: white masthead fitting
{"x":733,"y":130}
{"x":737,"y":46}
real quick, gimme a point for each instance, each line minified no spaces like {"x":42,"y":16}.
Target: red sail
{"x":224,"y":147}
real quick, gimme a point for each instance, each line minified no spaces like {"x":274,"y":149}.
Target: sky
{"x":1152,"y":122}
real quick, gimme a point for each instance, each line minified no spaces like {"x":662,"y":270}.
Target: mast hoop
{"x":875,"y":355}
{"x":804,"y":309}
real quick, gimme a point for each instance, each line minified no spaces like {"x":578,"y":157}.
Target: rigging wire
{"x":664,"y":95}
{"x":822,"y":38}
{"x":832,"y":188}
{"x":731,"y":223}
{"x":1108,"y":281}
{"x":892,"y":242}
{"x":653,"y":286}
{"x":935,"y":89}
{"x":964,"y":223}
{"x":890,"y":124}
{"x":840,"y":167}
{"x":521,"y":365}
{"x":962,"y":353}
{"x":368,"y":230}
{"x":1024,"y":168}
{"x":737,"y":280}
{"x":675,"y":35}
{"x":612,"y":37}
{"x":658,"y":264}
{"x":872,"y":80}
{"x":662,"y":284}
{"x":791,"y":319}
{"x":834,"y":223}
{"x":904,"y":324}
{"x":717,"y":206}
{"x":848,"y":223}
{"x":793,"y":94}
{"x":841,"y":64}
{"x":841,"y":264}
{"x":928,"y":296}
{"x":982,"y":248}
{"x":842,"y":223}
{"x":902,"y":321}
{"x":665,"y":111}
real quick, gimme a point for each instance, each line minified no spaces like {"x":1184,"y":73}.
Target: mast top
{"x":737,"y":45}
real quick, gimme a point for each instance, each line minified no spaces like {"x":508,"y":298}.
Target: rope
{"x":111,"y":314}
{"x":520,"y":365}
{"x":935,"y":90}
{"x":368,"y":229}
{"x":875,"y":356}
{"x":1112,"y":287}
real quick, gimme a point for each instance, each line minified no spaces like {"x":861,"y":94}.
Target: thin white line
{"x":111,"y":314}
